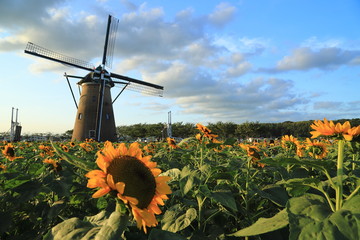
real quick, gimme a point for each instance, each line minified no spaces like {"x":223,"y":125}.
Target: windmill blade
{"x":38,"y":51}
{"x":142,"y":89}
{"x":140,"y":86}
{"x":133,"y":80}
{"x":110,"y":38}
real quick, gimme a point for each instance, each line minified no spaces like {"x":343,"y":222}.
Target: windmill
{"x":95,"y":117}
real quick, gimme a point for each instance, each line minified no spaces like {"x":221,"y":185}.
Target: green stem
{"x":329,"y":178}
{"x":247,"y":184}
{"x":327,"y":198}
{"x":340,"y":172}
{"x":201,"y":154}
{"x":353,"y":193}
{"x":200,"y":204}
{"x":353,"y":165}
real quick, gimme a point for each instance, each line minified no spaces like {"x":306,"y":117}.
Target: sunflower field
{"x":200,"y":188}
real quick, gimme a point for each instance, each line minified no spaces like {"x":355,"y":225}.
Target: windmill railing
{"x":36,"y":50}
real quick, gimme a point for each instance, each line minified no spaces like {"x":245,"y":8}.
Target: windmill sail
{"x":110,"y":41}
{"x":38,"y":51}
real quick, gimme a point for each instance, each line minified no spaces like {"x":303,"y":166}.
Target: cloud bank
{"x":203,"y":72}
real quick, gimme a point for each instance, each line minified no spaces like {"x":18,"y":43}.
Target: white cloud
{"x":223,"y":13}
{"x":316,"y":43}
{"x":239,"y":69}
{"x":337,"y":106}
{"x":248,"y":46}
{"x":325,"y":58}
{"x":129,"y":5}
{"x":200,"y":71}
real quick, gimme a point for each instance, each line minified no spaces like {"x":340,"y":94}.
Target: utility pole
{"x":15,"y":129}
{"x":169,"y":129}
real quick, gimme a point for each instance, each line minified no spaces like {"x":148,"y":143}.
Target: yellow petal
{"x":347,"y":137}
{"x":97,"y":182}
{"x":155,"y":171}
{"x":95,"y":173}
{"x":122,"y":149}
{"x":163,"y":188}
{"x":163,"y":179}
{"x":110,"y":181}
{"x":135,"y":151}
{"x":120,"y":187}
{"x":101,"y":192}
{"x":133,"y":201}
{"x":155,"y":208}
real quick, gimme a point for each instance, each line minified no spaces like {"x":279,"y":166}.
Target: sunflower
{"x":328,"y":128}
{"x":253,"y":152}
{"x":9,"y":152}
{"x":134,"y":178}
{"x":207,"y":133}
{"x":3,"y":167}
{"x":64,"y":148}
{"x":289,"y":142}
{"x":47,"y":151}
{"x":56,"y":165}
{"x":149,"y":148}
{"x":86,"y":146}
{"x":316,"y":148}
{"x":172,"y":143}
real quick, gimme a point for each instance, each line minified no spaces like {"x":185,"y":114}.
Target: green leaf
{"x":299,"y":186}
{"x":28,"y":190}
{"x":274,"y":193}
{"x":225,"y":198}
{"x":5,"y":221}
{"x":230,"y":141}
{"x":264,"y":225}
{"x":113,"y":227}
{"x":97,"y":227}
{"x":101,"y":203}
{"x":84,"y":164}
{"x":72,"y":228}
{"x":315,"y":163}
{"x":15,"y":182}
{"x":157,"y":234}
{"x":188,"y":180}
{"x":174,"y":173}
{"x":205,"y":190}
{"x":311,"y":218}
{"x":353,"y":204}
{"x":175,"y":219}
{"x":185,"y":171}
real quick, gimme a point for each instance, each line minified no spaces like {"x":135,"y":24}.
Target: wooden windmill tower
{"x":95,"y":116}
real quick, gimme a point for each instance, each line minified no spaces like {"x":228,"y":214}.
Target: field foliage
{"x":284,"y":189}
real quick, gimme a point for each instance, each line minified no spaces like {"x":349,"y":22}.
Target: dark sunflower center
{"x":10,"y":152}
{"x":139,"y":180}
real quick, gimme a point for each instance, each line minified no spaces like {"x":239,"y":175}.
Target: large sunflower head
{"x":329,"y":128}
{"x":134,"y":178}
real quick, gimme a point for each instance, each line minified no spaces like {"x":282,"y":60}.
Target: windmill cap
{"x":89,"y":78}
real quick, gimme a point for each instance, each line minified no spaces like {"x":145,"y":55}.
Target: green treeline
{"x":225,"y":129}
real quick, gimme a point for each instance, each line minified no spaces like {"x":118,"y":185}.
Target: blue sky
{"x":245,"y":60}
